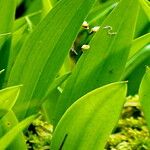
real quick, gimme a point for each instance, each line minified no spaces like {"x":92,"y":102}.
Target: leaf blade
{"x":6,"y":124}
{"x":10,"y":135}
{"x":144,"y":96}
{"x":65,"y":20}
{"x":87,"y":122}
{"x":8,"y":98}
{"x":105,"y":59}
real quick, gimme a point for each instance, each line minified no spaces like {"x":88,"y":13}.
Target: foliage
{"x":131,"y":132}
{"x":70,"y":60}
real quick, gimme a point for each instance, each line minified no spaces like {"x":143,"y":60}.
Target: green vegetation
{"x":73,"y":74}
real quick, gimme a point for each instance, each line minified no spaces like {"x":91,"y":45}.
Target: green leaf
{"x":135,"y":69}
{"x":8,"y":97}
{"x":97,"y":14}
{"x":23,"y":21}
{"x":39,"y":61}
{"x":6,"y":17}
{"x":52,"y":96}
{"x":6,"y":124}
{"x":139,"y":43}
{"x":136,"y":60}
{"x":57,"y":82}
{"x":3,"y":112}
{"x":18,"y":2}
{"x":53,"y":2}
{"x":105,"y":61}
{"x":18,"y":38}
{"x":33,"y":6}
{"x":143,"y":24}
{"x":10,"y":135}
{"x":47,"y":6}
{"x":88,"y":123}
{"x":144,"y":94}
{"x":146,"y":7}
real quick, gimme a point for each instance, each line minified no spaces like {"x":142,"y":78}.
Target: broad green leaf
{"x":135,"y":69}
{"x":3,"y":112}
{"x":137,"y":59}
{"x":52,"y":96}
{"x":18,"y":38}
{"x":139,"y":43}
{"x":146,"y":7}
{"x":39,"y":61}
{"x":6,"y":124}
{"x":53,"y":2}
{"x":47,"y":6}
{"x":33,"y":6}
{"x":97,"y":14}
{"x":57,"y":82}
{"x":88,"y":123}
{"x":144,"y":95}
{"x":148,"y":2}
{"x":67,"y":66}
{"x":23,"y":21}
{"x":7,"y":15}
{"x":105,"y":61}
{"x":6,"y":140}
{"x":143,"y":24}
{"x":8,"y":98}
{"x":18,"y":2}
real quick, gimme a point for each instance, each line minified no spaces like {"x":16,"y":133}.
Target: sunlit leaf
{"x":139,"y":43}
{"x":39,"y":61}
{"x":145,"y":7}
{"x":6,"y":124}
{"x":135,"y":69}
{"x":7,"y":15}
{"x":97,"y":14}
{"x":144,"y":94}
{"x":10,"y":135}
{"x":104,"y":62}
{"x":88,"y":123}
{"x":47,"y":6}
{"x":52,"y":96}
{"x":8,"y":98}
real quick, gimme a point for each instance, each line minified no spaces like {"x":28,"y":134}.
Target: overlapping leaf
{"x":105,"y":61}
{"x":144,"y":94}
{"x":7,"y":14}
{"x":98,"y":14}
{"x":139,"y":43}
{"x":6,"y":17}
{"x":51,"y":97}
{"x":44,"y":52}
{"x":6,"y":124}
{"x":146,"y":7}
{"x":135,"y":69}
{"x":10,"y":135}
{"x":90,"y":120}
{"x":143,"y":24}
{"x":8,"y":98}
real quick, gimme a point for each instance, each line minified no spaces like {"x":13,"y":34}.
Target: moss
{"x":39,"y":135}
{"x":131,"y":132}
